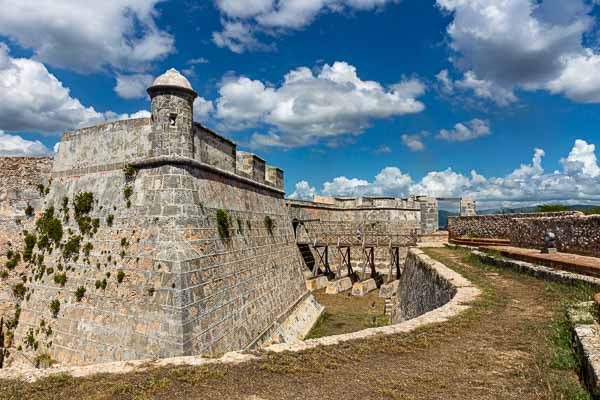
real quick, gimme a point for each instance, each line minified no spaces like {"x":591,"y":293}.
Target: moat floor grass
{"x":513,"y":343}
{"x":345,"y":313}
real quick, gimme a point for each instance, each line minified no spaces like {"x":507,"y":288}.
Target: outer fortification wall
{"x":575,"y":232}
{"x":425,"y":285}
{"x":166,"y":255}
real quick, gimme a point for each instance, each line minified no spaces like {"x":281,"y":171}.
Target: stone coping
{"x":466,"y":293}
{"x":586,"y":332}
{"x":164,"y":160}
{"x":324,"y":206}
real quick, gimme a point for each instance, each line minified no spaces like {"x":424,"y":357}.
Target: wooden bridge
{"x":343,"y":237}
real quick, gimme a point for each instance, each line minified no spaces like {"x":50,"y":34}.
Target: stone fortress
{"x":155,"y":237}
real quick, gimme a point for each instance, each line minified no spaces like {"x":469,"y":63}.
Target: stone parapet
{"x":575,"y":232}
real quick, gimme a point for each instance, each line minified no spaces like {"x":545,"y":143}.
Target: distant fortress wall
{"x":186,"y":247}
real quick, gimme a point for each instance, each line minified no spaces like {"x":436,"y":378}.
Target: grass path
{"x":512,"y":344}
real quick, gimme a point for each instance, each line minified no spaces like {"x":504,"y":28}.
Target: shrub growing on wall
{"x":269,"y":224}
{"x":223,"y":224}
{"x":55,"y":307}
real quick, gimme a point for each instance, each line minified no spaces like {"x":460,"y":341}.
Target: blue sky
{"x":349,"y":97}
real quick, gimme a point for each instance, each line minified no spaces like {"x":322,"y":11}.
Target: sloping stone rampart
{"x":425,"y":285}
{"x":575,"y":232}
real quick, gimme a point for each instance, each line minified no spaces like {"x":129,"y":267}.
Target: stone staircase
{"x":307,"y":255}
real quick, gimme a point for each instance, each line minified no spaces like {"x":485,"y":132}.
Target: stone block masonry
{"x":575,"y":232}
{"x":175,"y":251}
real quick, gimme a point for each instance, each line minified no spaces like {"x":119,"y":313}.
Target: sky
{"x":492,"y":99}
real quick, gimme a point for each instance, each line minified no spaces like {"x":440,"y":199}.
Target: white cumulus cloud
{"x":578,"y":182}
{"x":505,"y":45}
{"x":15,"y":145}
{"x":87,"y":35}
{"x":244,"y":20}
{"x":470,"y":130}
{"x":308,"y":107}
{"x":34,"y":100}
{"x":133,"y":86}
{"x":303,"y":191}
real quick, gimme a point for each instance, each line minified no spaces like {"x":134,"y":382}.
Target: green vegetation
{"x":128,"y":192}
{"x":223,"y":224}
{"x":592,"y":211}
{"x":19,"y":291}
{"x":49,"y":229}
{"x":83,"y":203}
{"x":29,"y":210}
{"x":13,"y":259}
{"x":109,"y":220}
{"x":55,"y":307}
{"x":30,"y":341}
{"x":30,"y":241}
{"x":269,"y":224}
{"x":72,"y":247}
{"x":548,"y":208}
{"x":60,"y":279}
{"x":43,"y":361}
{"x":120,"y":276}
{"x":87,"y":249}
{"x":130,"y":172}
{"x":79,"y":293}
{"x":101,"y":284}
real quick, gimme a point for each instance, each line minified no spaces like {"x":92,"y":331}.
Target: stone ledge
{"x":586,"y":332}
{"x":466,"y":293}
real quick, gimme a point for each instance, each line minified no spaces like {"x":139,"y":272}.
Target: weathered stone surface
{"x":586,"y":332}
{"x":339,"y":285}
{"x":575,"y":232}
{"x":363,"y":288}
{"x":316,"y":283}
{"x":389,"y":290}
{"x":425,"y":285}
{"x":165,"y":277}
{"x":465,"y":294}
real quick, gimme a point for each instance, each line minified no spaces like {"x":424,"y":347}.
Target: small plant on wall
{"x":54,"y":307}
{"x":223,"y":224}
{"x":269,"y":224}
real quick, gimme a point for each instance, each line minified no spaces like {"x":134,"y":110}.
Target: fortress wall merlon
{"x":213,"y":149}
{"x":274,"y":176}
{"x":249,"y":164}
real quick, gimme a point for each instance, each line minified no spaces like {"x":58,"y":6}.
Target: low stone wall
{"x":575,"y":232}
{"x":425,"y":285}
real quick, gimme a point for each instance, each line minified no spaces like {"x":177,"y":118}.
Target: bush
{"x":83,"y":203}
{"x":548,"y":208}
{"x":79,"y":293}
{"x":130,"y":172}
{"x":269,"y":224}
{"x":30,"y":241}
{"x":87,"y":249}
{"x":29,"y":210}
{"x":72,"y":247}
{"x":19,"y":291}
{"x":223,"y":224}
{"x":43,"y":361}
{"x":109,"y":220}
{"x":49,"y":228}
{"x":128,"y":192}
{"x":120,"y":276}
{"x":55,"y":307}
{"x":60,"y":279}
